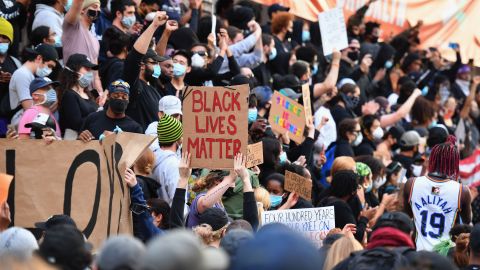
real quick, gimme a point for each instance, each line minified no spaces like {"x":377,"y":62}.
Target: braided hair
{"x":445,"y":158}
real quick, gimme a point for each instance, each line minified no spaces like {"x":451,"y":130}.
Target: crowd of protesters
{"x":391,"y":121}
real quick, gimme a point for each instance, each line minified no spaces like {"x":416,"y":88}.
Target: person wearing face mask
{"x":203,"y":72}
{"x":75,"y":100}
{"x":114,"y":118}
{"x":282,"y":27}
{"x":43,"y":96}
{"x":142,"y":70}
{"x":39,"y":62}
{"x":51,"y":14}
{"x":77,"y":37}
{"x":372,"y":134}
{"x":43,"y":34}
{"x":370,"y":43}
{"x":409,"y":144}
{"x":349,"y":59}
{"x":343,"y":105}
{"x":349,"y":134}
{"x":182,"y":64}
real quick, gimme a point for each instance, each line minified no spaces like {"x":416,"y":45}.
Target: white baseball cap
{"x":170,"y":105}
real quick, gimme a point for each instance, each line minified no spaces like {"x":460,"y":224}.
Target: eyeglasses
{"x":201,"y":53}
{"x":139,"y":209}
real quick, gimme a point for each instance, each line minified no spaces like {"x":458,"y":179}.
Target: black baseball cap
{"x":54,"y":221}
{"x":397,"y":220}
{"x":39,"y":82}
{"x":48,"y":52}
{"x":214,"y":217}
{"x":80,"y":60}
{"x":151,"y":54}
{"x":42,"y":120}
{"x":276,"y":7}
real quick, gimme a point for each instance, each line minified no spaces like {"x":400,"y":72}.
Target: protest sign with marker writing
{"x":313,"y":223}
{"x":215,"y":122}
{"x":254,"y":155}
{"x":287,"y":115}
{"x":299,"y":184}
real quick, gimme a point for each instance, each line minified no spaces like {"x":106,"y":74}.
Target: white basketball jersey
{"x":435,"y":205}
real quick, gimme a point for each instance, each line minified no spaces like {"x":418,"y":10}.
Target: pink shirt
{"x":78,"y":39}
{"x":28,"y":117}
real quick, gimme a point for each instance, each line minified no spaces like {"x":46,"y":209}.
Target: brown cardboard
{"x":287,"y":115}
{"x":307,"y":103}
{"x":254,"y":155}
{"x":215,"y":125}
{"x":299,"y":184}
{"x":83,"y":180}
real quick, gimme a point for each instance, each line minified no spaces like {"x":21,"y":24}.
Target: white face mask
{"x":379,"y":182}
{"x":378,"y":134}
{"x":198,"y":61}
{"x":417,"y":170}
{"x":358,"y":140}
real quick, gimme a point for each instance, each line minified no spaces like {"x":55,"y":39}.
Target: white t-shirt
{"x":152,"y":130}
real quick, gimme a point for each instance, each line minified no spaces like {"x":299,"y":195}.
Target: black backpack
{"x":379,"y":259}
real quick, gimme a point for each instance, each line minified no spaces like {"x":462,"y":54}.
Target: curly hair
{"x":280,"y":21}
{"x":209,"y":181}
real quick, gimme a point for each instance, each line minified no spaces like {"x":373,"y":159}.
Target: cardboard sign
{"x":298,"y":184}
{"x":307,"y":103}
{"x":287,"y":115}
{"x":313,"y":223}
{"x":333,"y":30}
{"x":254,"y":155}
{"x":215,"y":125}
{"x":83,"y":180}
{"x":5,"y":181}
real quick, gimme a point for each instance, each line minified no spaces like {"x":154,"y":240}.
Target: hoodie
{"x":48,"y":16}
{"x":166,"y":173}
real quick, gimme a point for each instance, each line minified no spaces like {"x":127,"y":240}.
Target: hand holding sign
{"x":130,"y":178}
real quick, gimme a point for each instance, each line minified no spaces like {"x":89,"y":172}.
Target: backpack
{"x":379,"y":259}
{"x":330,"y":156}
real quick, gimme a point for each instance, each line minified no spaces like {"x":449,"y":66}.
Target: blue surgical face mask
{"x":252,"y":115}
{"x":179,"y":70}
{"x":275,"y":200}
{"x":43,"y":72}
{"x":283,"y":157}
{"x":273,"y":54}
{"x":369,"y":187}
{"x":388,"y":64}
{"x":129,"y":21}
{"x":50,"y":98}
{"x":58,"y":41}
{"x":85,"y":80}
{"x":68,"y":5}
{"x":157,"y":71}
{"x":305,"y":35}
{"x":425,"y":91}
{"x":315,"y":70}
{"x":4,"y":48}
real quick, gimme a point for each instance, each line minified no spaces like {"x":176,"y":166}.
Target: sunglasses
{"x":121,"y":83}
{"x":201,"y":53}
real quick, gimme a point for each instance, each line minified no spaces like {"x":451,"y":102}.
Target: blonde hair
{"x":262,"y":196}
{"x":343,"y":163}
{"x":340,"y":250}
{"x":206,"y":233}
{"x":144,"y":164}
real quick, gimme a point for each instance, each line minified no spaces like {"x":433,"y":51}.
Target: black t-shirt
{"x":343,"y":148}
{"x":339,"y":113}
{"x":74,"y":109}
{"x":367,"y":147}
{"x":143,"y":103}
{"x":99,"y":122}
{"x":406,"y":163}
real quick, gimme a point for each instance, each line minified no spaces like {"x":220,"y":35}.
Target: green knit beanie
{"x":169,"y":129}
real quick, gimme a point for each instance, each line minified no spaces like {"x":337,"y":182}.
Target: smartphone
{"x":453,"y":45}
{"x":12,"y":127}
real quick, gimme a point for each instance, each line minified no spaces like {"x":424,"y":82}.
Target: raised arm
{"x":471,"y":96}
{"x":250,"y":211}
{"x":215,"y":194}
{"x":73,"y":14}
{"x":330,"y":81}
{"x":170,"y":27}
{"x":143,"y":41}
{"x":392,"y":118}
{"x":178,"y":203}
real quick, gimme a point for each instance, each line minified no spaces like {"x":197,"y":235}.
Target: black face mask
{"x":118,"y":105}
{"x":353,"y":55}
{"x":93,"y":14}
{"x":374,"y":39}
